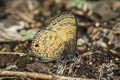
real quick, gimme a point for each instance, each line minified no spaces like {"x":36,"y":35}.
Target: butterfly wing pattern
{"x":57,"y":40}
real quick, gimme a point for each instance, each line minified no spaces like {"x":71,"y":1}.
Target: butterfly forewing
{"x":64,"y":25}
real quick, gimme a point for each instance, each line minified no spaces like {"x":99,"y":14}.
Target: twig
{"x":39,"y":75}
{"x":114,"y":52}
{"x":79,"y":58}
{"x":3,"y":78}
{"x":14,"y":53}
{"x":77,"y":61}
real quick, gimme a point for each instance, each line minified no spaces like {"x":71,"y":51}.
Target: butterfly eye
{"x":36,"y":45}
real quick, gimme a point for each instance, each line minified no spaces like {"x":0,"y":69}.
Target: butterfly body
{"x":57,"y":40}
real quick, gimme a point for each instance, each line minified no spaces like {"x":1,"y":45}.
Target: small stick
{"x":39,"y":75}
{"x":79,"y":58}
{"x":14,"y":53}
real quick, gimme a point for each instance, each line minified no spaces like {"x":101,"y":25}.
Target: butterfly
{"x":57,"y":40}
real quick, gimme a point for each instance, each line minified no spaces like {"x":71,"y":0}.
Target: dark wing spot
{"x":36,"y":45}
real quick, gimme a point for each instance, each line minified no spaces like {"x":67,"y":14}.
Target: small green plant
{"x":78,"y":4}
{"x":28,"y":34}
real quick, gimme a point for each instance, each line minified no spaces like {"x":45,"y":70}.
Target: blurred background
{"x":17,"y":16}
